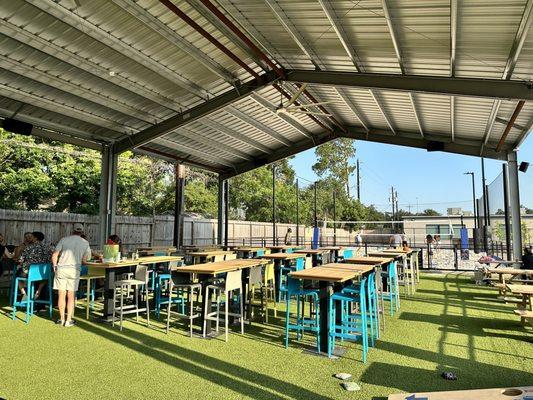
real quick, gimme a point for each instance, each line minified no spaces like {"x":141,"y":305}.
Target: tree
{"x":333,"y":160}
{"x":429,"y":212}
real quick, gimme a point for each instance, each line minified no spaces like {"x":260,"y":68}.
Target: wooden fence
{"x":153,"y":231}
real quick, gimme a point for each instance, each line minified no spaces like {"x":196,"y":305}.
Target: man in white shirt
{"x":70,"y":253}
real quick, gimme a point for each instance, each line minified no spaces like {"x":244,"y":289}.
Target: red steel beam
{"x":172,"y":7}
{"x":510,"y":125}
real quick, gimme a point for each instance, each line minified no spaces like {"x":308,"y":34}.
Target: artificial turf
{"x":449,"y":325}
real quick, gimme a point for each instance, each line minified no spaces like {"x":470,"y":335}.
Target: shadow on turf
{"x":231,"y":376}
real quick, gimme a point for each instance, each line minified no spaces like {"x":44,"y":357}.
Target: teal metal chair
{"x":284,"y":271}
{"x":36,"y":273}
{"x":162,"y":283}
{"x":353,"y":325}
{"x":393,"y":293}
{"x":295,"y":291}
{"x":260,"y":253}
{"x":371,"y":305}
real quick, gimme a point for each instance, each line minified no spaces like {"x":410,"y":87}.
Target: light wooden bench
{"x":524,"y":313}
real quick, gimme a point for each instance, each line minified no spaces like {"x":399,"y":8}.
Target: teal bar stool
{"x":347,"y":253}
{"x":284,"y":271}
{"x":393,"y":293}
{"x":162,"y":283}
{"x":90,"y":289}
{"x":260,"y":253}
{"x":294,"y":291}
{"x":289,"y":250}
{"x":36,"y":273}
{"x":353,"y":325}
{"x":371,"y":305}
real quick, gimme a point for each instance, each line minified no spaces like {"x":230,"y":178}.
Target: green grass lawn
{"x":450,"y":324}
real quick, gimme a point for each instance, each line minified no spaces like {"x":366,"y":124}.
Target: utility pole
{"x":392,"y":203}
{"x":358,"y":182}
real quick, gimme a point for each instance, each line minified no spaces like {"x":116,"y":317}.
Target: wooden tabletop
{"x":384,"y":254}
{"x":510,"y":271}
{"x":521,"y":289}
{"x":157,"y":248}
{"x":363,"y":268}
{"x":245,"y":248}
{"x":214,"y":268}
{"x":332,"y":248}
{"x":130,"y":263}
{"x":477,"y":394}
{"x":369,"y":260}
{"x":283,"y":247}
{"x":283,"y":256}
{"x":397,"y":251}
{"x":312,"y":251}
{"x":209,"y":253}
{"x":328,"y":272}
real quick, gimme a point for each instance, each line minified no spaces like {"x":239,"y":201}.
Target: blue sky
{"x":434,"y":180}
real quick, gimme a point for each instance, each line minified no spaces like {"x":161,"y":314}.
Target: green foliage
{"x":333,"y":160}
{"x":429,"y":212}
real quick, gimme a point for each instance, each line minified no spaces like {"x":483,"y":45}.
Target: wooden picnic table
{"x":283,"y":256}
{"x":516,"y":393}
{"x":503,"y":281}
{"x":113,"y":269}
{"x":502,"y":262}
{"x":208,"y":270}
{"x":526,"y":312}
{"x":220,"y":267}
{"x":327,"y":276}
{"x":369,"y":260}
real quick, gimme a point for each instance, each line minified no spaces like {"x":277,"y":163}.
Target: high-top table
{"x":207,"y":255}
{"x":282,"y":248}
{"x":369,"y":260}
{"x":327,"y":276}
{"x":316,"y":254}
{"x":248,"y":251}
{"x":280,"y":259}
{"x":209,"y":270}
{"x":151,"y":251}
{"x":113,"y":269}
{"x":335,"y":250}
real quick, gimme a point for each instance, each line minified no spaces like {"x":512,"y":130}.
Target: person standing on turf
{"x":70,"y":253}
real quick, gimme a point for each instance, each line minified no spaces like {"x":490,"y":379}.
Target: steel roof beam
{"x":172,"y":158}
{"x":410,"y":139}
{"x":51,"y":105}
{"x":453,"y":36}
{"x":287,"y":119}
{"x":75,"y":21}
{"x":505,"y":122}
{"x":194,"y":113}
{"x":70,"y":58}
{"x":452,"y":116}
{"x":472,"y":87}
{"x":212,"y":143}
{"x":48,"y":79}
{"x":516,"y":49}
{"x":197,"y":152}
{"x":164,"y":30}
{"x":259,"y":126}
{"x":236,"y":135}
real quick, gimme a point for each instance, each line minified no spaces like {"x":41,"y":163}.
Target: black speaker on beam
{"x":435,"y":146}
{"x":523,"y":166}
{"x":15,"y":126}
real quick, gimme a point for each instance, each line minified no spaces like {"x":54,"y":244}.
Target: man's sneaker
{"x":70,"y":323}
{"x":59,"y":322}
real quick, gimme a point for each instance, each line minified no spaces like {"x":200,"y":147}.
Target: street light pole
{"x":473,"y":196}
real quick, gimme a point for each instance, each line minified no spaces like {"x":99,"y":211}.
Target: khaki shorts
{"x":67,"y":279}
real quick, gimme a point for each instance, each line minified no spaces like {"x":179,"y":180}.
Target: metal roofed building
{"x":199,"y":82}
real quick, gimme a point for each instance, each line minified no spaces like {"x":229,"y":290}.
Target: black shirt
{"x":527,"y":261}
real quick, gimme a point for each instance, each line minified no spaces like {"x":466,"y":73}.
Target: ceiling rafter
{"x":171,"y":144}
{"x":197,"y":136}
{"x":514,"y":53}
{"x":342,"y":35}
{"x":97,"y":33}
{"x":84,"y":64}
{"x":258,"y":125}
{"x":217,"y":126}
{"x":69,"y":87}
{"x":165,"y":31}
{"x":397,"y":50}
{"x":286,"y":118}
{"x":51,"y":105}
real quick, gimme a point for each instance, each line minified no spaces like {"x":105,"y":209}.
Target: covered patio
{"x":229,"y":86}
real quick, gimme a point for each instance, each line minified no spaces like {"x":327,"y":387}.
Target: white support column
{"x":220,"y":219}
{"x":108,"y":193}
{"x":514,"y":202}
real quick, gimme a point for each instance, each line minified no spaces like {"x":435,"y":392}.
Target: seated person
{"x":6,"y":254}
{"x":405,"y":246}
{"x":28,"y":239}
{"x":36,"y":252}
{"x":115,"y":239}
{"x":527,"y":258}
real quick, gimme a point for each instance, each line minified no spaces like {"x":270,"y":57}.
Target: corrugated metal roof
{"x":105,"y":69}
